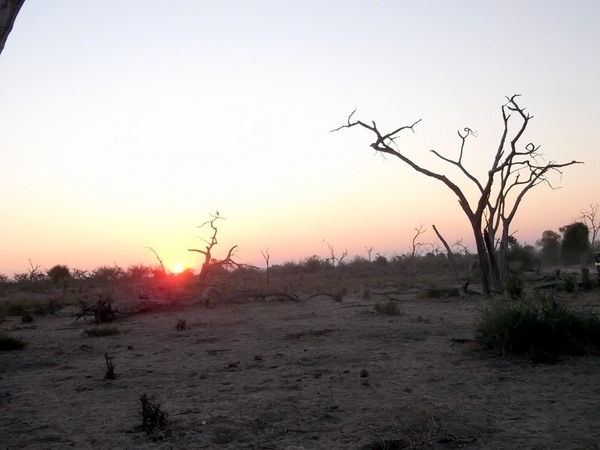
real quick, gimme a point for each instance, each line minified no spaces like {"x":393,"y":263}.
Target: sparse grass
{"x":8,"y":343}
{"x":538,"y":325}
{"x":389,"y":308}
{"x":100,"y":331}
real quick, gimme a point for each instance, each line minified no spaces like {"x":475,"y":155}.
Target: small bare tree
{"x":591,"y":219}
{"x":332,"y":256}
{"x":267,"y":257}
{"x":211,"y":263}
{"x":369,"y":251}
{"x":416,"y":246}
{"x":514,"y":171}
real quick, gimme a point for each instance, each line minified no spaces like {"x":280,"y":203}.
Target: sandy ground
{"x":277,"y":375}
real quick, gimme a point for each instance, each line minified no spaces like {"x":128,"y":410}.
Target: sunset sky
{"x":124,"y":124}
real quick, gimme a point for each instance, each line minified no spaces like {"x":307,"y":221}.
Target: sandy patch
{"x":276,"y":375}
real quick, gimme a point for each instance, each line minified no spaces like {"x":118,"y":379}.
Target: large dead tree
{"x":9,"y":9}
{"x":514,"y":171}
{"x":211,"y":263}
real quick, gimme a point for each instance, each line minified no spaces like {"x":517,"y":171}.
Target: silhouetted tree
{"x":514,"y":171}
{"x":591,"y":219}
{"x":549,"y":246}
{"x":575,"y":246}
{"x":210,"y":264}
{"x":59,"y":274}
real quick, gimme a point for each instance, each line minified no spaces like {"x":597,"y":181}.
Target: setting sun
{"x":178,"y":268}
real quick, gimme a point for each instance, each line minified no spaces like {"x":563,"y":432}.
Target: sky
{"x":126,"y":124}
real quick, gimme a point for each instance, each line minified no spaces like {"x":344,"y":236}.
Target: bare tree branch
{"x":162,"y":266}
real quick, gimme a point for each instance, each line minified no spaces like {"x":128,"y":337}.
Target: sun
{"x":178,"y":268}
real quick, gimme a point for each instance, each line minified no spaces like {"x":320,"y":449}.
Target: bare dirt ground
{"x":278,"y":375}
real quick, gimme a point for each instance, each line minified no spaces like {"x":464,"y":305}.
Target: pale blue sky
{"x":125,"y":123}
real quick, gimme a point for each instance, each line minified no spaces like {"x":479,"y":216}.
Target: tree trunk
{"x":450,"y":255}
{"x":8,"y":14}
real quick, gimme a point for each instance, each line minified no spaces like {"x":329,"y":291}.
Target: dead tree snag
{"x":514,"y":171}
{"x":211,"y":263}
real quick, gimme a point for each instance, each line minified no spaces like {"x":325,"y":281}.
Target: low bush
{"x":109,"y":373}
{"x":100,"y":331}
{"x":389,"y":308}
{"x":570,"y":282}
{"x":154,"y":419}
{"x":538,"y":325}
{"x":514,"y":286}
{"x":8,"y":343}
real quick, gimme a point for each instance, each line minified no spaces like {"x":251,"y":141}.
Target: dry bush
{"x":181,"y":325}
{"x":109,"y":374}
{"x":389,"y":308}
{"x":8,"y":343}
{"x":154,"y":419}
{"x":100,"y":331}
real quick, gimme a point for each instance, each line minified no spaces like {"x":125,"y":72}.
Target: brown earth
{"x":278,"y":375}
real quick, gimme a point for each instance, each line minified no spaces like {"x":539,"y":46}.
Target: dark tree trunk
{"x":8,"y":14}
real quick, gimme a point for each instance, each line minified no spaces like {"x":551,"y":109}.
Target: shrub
{"x":570,"y":282}
{"x":154,"y":420}
{"x":59,"y":274}
{"x":514,"y":286}
{"x":26,"y":318}
{"x":100,"y":331}
{"x":389,"y":308}
{"x":8,"y":343}
{"x":181,"y":325}
{"x":538,"y":325}
{"x":109,"y":373}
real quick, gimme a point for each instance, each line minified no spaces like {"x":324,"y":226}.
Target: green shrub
{"x":100,"y":331}
{"x":389,"y":308}
{"x":11,"y":343}
{"x":538,"y":325}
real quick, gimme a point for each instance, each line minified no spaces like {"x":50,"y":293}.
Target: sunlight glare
{"x":178,"y":268}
